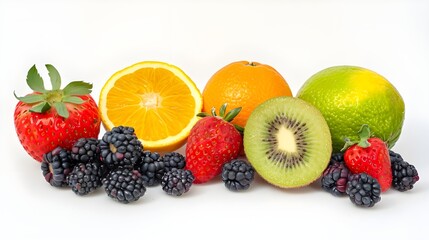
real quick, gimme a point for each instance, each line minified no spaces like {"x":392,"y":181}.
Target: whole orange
{"x":243,"y":84}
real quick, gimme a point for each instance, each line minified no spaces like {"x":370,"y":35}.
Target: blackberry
{"x":152,"y":168}
{"x":395,"y":157}
{"x":56,"y":165}
{"x":173,"y":160}
{"x":177,"y":181}
{"x":335,"y":177}
{"x":120,"y":147}
{"x":237,"y":175}
{"x":404,"y":175}
{"x":363,"y":190}
{"x":124,"y":185}
{"x":337,"y":157}
{"x":85,"y":178}
{"x":86,"y":150}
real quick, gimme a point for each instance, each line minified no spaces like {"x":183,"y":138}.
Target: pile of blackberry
{"x":362,"y":189}
{"x":117,"y":163}
{"x":167,"y":171}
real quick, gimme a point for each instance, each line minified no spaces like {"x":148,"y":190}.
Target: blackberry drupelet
{"x":120,"y":147}
{"x":152,"y":168}
{"x":177,"y":181}
{"x":86,"y":150}
{"x":124,"y":185}
{"x":337,"y":157}
{"x":85,"y":178}
{"x":56,"y":165}
{"x":173,"y":160}
{"x":404,"y":175}
{"x":334,"y":178}
{"x":363,"y":190}
{"x":395,"y":157}
{"x":237,"y":175}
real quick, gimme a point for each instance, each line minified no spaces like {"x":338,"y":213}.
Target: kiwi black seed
{"x":288,"y":142}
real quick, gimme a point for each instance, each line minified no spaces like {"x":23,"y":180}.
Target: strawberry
{"x":212,"y":142}
{"x":46,"y":119}
{"x":371,"y":156}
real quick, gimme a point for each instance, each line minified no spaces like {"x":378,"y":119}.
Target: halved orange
{"x":157,"y":99}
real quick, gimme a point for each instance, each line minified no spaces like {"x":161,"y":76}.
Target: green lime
{"x":349,"y":97}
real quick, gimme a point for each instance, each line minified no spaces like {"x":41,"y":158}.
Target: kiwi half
{"x":288,"y":142}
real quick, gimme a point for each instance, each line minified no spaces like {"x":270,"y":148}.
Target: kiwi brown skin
{"x":288,"y":142}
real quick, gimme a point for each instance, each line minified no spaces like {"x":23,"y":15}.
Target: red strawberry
{"x":370,"y":156}
{"x":46,"y":119}
{"x":212,"y":142}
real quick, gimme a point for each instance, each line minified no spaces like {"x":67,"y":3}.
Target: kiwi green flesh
{"x":288,"y":142}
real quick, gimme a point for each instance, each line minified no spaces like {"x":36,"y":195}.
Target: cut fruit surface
{"x":288,"y":142}
{"x":157,"y":99}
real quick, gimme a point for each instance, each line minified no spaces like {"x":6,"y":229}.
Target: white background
{"x":90,"y":40}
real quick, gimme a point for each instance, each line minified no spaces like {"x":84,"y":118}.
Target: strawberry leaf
{"x":232,"y":114}
{"x":203,"y":114}
{"x":32,"y":98}
{"x":41,"y":107}
{"x":61,"y":109}
{"x":34,"y":80}
{"x":55,"y":77}
{"x":364,"y":134}
{"x":72,"y":99}
{"x":77,"y":88}
{"x":222,"y":110}
{"x":348,"y":143}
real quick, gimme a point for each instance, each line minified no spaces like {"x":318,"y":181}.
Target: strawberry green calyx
{"x":42,"y":99}
{"x":364,"y":134}
{"x":226,"y":116}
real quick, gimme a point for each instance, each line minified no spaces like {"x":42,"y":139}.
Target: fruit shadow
{"x":313,"y":187}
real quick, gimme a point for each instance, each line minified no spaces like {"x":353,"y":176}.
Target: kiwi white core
{"x":286,"y":140}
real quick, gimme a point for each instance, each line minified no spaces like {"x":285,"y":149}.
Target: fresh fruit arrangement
{"x":366,"y":169}
{"x":151,"y":109}
{"x":338,"y":180}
